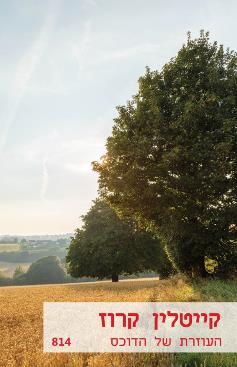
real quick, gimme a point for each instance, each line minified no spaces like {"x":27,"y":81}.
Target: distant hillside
{"x":54,"y":237}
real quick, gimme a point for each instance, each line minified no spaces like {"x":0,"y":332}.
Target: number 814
{"x":61,"y":342}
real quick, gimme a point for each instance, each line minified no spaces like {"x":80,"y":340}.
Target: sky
{"x":64,"y":67}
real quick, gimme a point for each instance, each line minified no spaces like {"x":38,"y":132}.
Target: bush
{"x":43,"y":271}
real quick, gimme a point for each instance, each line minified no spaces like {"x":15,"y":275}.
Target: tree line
{"x":168,"y":179}
{"x":48,"y":269}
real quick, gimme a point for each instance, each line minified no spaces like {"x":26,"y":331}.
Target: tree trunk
{"x":115,"y":278}
{"x":199,"y":271}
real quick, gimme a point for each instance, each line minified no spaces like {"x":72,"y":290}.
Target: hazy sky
{"x":64,"y":66}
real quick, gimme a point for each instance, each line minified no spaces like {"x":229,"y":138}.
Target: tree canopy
{"x":171,"y":161}
{"x":45,"y":270}
{"x":106,"y":247}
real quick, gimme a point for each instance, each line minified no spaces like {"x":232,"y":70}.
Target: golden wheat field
{"x":22,"y":324}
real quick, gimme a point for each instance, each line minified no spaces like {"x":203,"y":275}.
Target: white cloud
{"x":55,"y":145}
{"x":55,"y":154}
{"x":78,"y":168}
{"x":75,"y":144}
{"x":26,"y":67}
{"x":89,"y":54}
{"x":81,"y":50}
{"x":88,"y":4}
{"x":45,"y":179}
{"x":130,"y":52}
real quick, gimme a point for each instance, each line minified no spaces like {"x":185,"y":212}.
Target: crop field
{"x":9,"y":247}
{"x":22,"y":327}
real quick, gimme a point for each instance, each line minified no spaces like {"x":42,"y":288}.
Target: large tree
{"x":171,"y":160}
{"x":106,"y":247}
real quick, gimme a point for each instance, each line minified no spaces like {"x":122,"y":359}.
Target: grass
{"x":216,"y":290}
{"x":9,"y":247}
{"x":21,"y":322}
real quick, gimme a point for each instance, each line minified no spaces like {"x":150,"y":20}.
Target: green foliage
{"x":211,"y":291}
{"x":206,"y":360}
{"x":216,"y":290}
{"x":171,"y":161}
{"x":211,"y":265}
{"x":106,"y":246}
{"x":43,"y":271}
{"x":18,"y":272}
